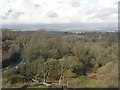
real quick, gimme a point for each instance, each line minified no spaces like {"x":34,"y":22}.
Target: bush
{"x":15,"y":80}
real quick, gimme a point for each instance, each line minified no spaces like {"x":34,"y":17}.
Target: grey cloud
{"x":11,"y":14}
{"x":75,"y":4}
{"x":60,"y":2}
{"x":10,"y":10}
{"x":7,"y":14}
{"x":9,"y":1}
{"x":4,"y":17}
{"x":17,"y":14}
{"x":104,"y":13}
{"x":52,"y":14}
{"x":116,"y":3}
{"x":36,"y":5}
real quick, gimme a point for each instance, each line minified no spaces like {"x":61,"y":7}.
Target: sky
{"x":83,"y":13}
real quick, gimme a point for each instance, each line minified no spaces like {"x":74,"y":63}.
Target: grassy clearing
{"x":105,"y":77}
{"x":41,"y":86}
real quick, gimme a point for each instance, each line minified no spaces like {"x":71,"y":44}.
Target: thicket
{"x":50,"y":56}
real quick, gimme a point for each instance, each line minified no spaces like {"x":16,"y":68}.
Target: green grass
{"x":106,"y":77}
{"x":95,"y":84}
{"x":41,"y":86}
{"x":86,"y":82}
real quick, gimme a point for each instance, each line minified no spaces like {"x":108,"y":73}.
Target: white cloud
{"x":58,"y":11}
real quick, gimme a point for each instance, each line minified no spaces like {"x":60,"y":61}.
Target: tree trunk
{"x":60,"y":79}
{"x":67,"y":83}
{"x":44,"y":78}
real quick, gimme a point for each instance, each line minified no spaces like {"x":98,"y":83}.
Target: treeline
{"x":9,"y":34}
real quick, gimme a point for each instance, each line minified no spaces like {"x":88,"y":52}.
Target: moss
{"x":15,"y":43}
